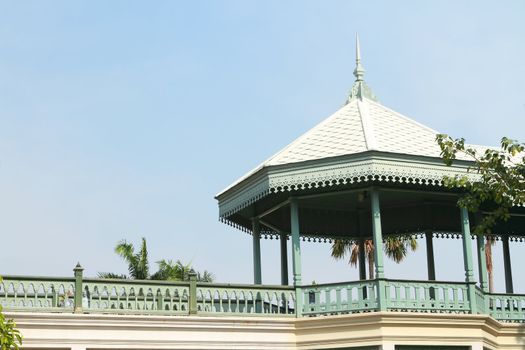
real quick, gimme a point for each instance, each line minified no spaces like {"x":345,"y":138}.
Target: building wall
{"x":386,"y":331}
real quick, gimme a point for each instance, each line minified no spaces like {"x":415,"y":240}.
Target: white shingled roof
{"x":361,"y":125}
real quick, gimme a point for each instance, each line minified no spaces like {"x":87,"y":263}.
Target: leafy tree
{"x":500,"y":181}
{"x":499,"y":186}
{"x":10,"y":337}
{"x":395,"y":248}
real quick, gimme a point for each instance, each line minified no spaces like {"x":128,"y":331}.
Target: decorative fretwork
{"x":336,"y":173}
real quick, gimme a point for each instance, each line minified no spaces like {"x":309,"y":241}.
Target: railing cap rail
{"x":133,"y":281}
{"x":429,"y":282}
{"x":20,"y":278}
{"x":243,"y":286}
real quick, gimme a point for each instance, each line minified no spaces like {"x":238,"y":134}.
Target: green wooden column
{"x":377,"y":236}
{"x":256,"y":236}
{"x":509,"y":288}
{"x":431,"y":266}
{"x":467,"y":259}
{"x":284,"y":259}
{"x":296,"y":255}
{"x":482,"y":263}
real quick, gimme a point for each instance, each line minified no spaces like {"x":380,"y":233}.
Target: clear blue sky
{"x":122,"y":119}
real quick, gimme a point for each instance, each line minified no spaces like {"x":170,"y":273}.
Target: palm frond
{"x":112,"y":275}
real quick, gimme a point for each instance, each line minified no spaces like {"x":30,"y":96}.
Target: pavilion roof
{"x":362,"y":126}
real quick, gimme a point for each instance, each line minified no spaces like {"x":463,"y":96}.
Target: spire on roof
{"x":359,"y":89}
{"x":359,"y":71}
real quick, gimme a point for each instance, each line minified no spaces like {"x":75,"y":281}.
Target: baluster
{"x":397,"y":289}
{"x":455,"y":297}
{"x":328,"y":300}
{"x":127,"y":298}
{"x":427,"y":301}
{"x":338,"y":299}
{"x":54,"y":297}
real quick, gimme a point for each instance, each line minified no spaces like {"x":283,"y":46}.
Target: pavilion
{"x":366,"y":173}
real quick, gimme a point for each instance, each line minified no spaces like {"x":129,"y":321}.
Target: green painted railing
{"x":337,"y":298}
{"x":506,"y":307}
{"x":245,"y":299}
{"x":92,"y":295}
{"x":132,"y":296}
{"x":427,"y":296}
{"x":37,"y":293}
{"x":481,"y":301}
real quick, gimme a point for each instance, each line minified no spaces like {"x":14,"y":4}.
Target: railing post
{"x":78,"y":270}
{"x":193,"y":292}
{"x":467,"y":260}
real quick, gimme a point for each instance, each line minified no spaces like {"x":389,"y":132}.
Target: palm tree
{"x":138,"y":263}
{"x":395,"y":248}
{"x":488,"y":257}
{"x":112,"y":275}
{"x":138,"y":266}
{"x":341,"y":248}
{"x":177,"y":271}
{"x":172,"y":271}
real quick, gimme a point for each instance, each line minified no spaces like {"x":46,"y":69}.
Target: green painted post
{"x":193,"y":293}
{"x":54,"y":297}
{"x":467,"y":259}
{"x":160,"y":300}
{"x":296,"y":255}
{"x":284,"y":259}
{"x":509,"y":288}
{"x":378,"y":252}
{"x":256,"y":236}
{"x":431,"y":267}
{"x":78,"y":270}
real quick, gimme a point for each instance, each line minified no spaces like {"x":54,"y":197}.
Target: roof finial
{"x":359,"y":71}
{"x":359,"y":90}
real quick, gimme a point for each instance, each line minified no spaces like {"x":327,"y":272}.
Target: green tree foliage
{"x":500,"y":181}
{"x":10,"y":337}
{"x":138,"y":266}
{"x":500,"y":184}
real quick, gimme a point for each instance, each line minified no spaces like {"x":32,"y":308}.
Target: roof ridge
{"x":308,"y":133}
{"x":367,"y":124}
